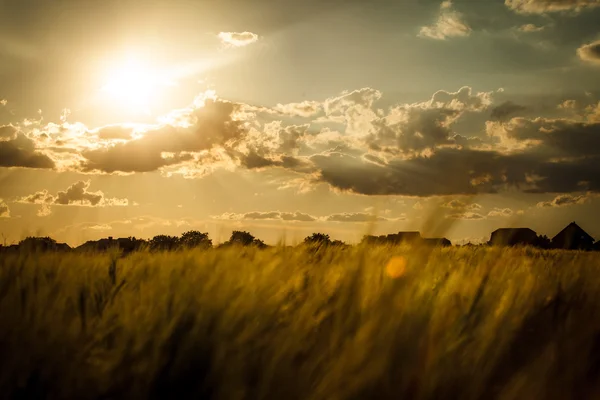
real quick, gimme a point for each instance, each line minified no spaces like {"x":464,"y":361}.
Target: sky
{"x":284,"y":118}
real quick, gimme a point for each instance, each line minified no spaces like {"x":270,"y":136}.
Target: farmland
{"x":301,"y":323}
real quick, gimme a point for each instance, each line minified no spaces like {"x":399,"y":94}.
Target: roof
{"x":571,"y":230}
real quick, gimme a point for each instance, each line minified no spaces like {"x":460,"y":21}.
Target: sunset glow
{"x":134,"y":84}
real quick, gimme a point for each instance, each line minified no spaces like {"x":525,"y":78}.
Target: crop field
{"x":365,"y":322}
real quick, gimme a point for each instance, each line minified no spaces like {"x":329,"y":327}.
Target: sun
{"x":133,"y":84}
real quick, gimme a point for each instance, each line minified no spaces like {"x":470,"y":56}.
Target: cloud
{"x":21,"y":152}
{"x":466,"y":216}
{"x":304,"y":109}
{"x":190,"y":136}
{"x":237,"y":39}
{"x":302,"y":217}
{"x":504,"y":111}
{"x":75,"y":195}
{"x":528,"y":28}
{"x":269,"y":215}
{"x":500,"y":212}
{"x":590,"y":52}
{"x":101,"y":227}
{"x":549,"y":137}
{"x":406,"y":149}
{"x":426,"y":125}
{"x":4,"y":210}
{"x":359,"y":217}
{"x":547,"y":6}
{"x":567,"y":105}
{"x":111,"y":132}
{"x":564,"y":200}
{"x":3,"y":102}
{"x":8,"y":132}
{"x":461,"y":205}
{"x":450,"y":23}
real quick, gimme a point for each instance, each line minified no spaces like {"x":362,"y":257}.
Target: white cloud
{"x":450,"y":23}
{"x":528,"y":28}
{"x":547,"y":6}
{"x":564,"y":200}
{"x":4,"y":210}
{"x":500,"y":212}
{"x":237,"y":39}
{"x":304,"y":109}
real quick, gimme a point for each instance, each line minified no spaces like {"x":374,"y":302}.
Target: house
{"x":404,"y":237}
{"x":441,"y":242}
{"x":596,"y":246}
{"x":573,"y":238}
{"x":513,"y":237}
{"x":394,"y":238}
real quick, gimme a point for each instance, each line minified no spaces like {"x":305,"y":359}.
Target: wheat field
{"x":302,"y":323}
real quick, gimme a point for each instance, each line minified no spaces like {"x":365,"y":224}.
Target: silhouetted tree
{"x":41,"y":244}
{"x":320,"y":239}
{"x":164,"y":242}
{"x":243,"y":238}
{"x":543,"y":242}
{"x":193,"y":239}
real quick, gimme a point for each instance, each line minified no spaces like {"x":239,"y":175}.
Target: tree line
{"x":188,"y":240}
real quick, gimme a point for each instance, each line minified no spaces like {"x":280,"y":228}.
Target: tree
{"x":38,"y":244}
{"x":320,"y":239}
{"x":241,"y":238}
{"x":164,"y":242}
{"x":543,"y":241}
{"x":193,"y":239}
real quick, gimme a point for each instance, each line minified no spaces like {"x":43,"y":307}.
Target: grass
{"x":294,"y":323}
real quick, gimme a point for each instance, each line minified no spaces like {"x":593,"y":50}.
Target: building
{"x":440,"y":242}
{"x":513,"y":237}
{"x":573,"y":238}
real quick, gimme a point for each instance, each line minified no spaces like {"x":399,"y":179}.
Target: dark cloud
{"x":207,"y":126}
{"x":450,"y":171}
{"x":76,"y":194}
{"x":421,"y":129}
{"x":551,"y":137}
{"x":546,"y":6}
{"x":506,"y":110}
{"x":21,"y":152}
{"x":590,"y":52}
{"x":426,"y":125}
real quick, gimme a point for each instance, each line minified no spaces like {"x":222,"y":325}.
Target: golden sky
{"x":131,"y":118}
